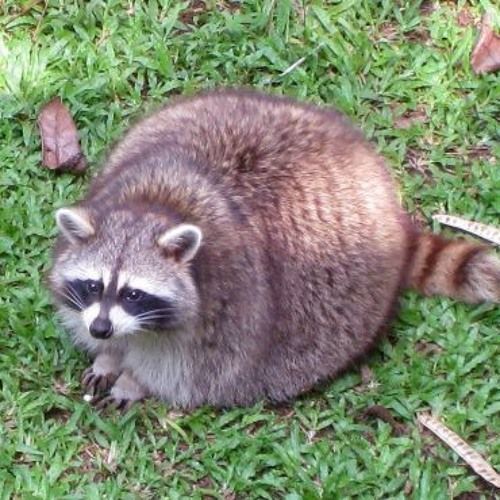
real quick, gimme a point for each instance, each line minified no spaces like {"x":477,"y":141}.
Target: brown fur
{"x":305,"y":247}
{"x":457,"y":268}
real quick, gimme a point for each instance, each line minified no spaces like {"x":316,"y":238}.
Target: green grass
{"x":110,"y":61}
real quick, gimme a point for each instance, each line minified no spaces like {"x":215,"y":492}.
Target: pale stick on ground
{"x":484,"y":231}
{"x":478,"y":464}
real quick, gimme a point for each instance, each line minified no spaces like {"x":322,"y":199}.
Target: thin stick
{"x":484,"y":231}
{"x":478,"y":464}
{"x":293,"y":66}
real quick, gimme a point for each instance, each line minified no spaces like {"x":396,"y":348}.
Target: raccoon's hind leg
{"x":124,"y":393}
{"x":103,"y":373}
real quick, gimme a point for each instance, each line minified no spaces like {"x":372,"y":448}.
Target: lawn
{"x":403,"y":74}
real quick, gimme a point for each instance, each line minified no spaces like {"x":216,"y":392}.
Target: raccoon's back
{"x":317,"y":203}
{"x":245,"y":139}
{"x":264,"y":153}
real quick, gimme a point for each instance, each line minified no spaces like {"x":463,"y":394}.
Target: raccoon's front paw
{"x":95,"y":383}
{"x":123,"y":394}
{"x":102,"y":374}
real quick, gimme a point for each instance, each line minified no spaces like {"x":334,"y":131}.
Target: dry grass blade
{"x":478,"y":464}
{"x":484,"y":231}
{"x":290,"y":68}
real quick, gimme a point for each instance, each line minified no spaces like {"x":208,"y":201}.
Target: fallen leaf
{"x":60,"y":387}
{"x":56,"y":413}
{"x":410,"y":118}
{"x":420,"y":35}
{"x":205,"y":482}
{"x":469,"y":495}
{"x":428,"y":348}
{"x":386,"y":32}
{"x":478,"y":464}
{"x":382,"y":413}
{"x":465,"y":18}
{"x":228,"y":495}
{"x":416,"y":162}
{"x":486,"y":54}
{"x":483,"y":231}
{"x":195,"y":8}
{"x":408,"y":488}
{"x":481,"y":151}
{"x":60,"y":146}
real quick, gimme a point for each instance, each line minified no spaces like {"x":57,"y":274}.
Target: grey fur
{"x":304,"y":248}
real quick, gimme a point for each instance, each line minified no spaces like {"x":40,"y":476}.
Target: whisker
{"x":150,"y":318}
{"x":73,"y":299}
{"x":76,"y":301}
{"x":160,"y":309}
{"x":130,"y":323}
{"x":155,"y":315}
{"x":72,"y":294}
{"x":154,"y":312}
{"x":144,"y":321}
{"x":134,"y":323}
{"x":71,"y":290}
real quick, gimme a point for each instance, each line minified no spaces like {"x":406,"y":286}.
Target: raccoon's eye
{"x":133,"y":295}
{"x":94,"y":287}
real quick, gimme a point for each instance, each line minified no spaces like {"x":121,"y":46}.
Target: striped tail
{"x":460,"y":269}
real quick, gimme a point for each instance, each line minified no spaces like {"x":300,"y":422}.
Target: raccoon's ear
{"x":74,"y":224}
{"x":182,"y":242}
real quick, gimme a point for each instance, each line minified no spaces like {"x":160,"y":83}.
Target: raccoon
{"x":239,"y":247}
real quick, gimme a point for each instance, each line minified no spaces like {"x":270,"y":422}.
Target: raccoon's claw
{"x":94,"y":382}
{"x":87,"y":374}
{"x":102,"y":374}
{"x":124,"y":393}
{"x":89,"y":380}
{"x":110,"y":403}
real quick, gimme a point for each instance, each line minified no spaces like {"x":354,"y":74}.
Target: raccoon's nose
{"x":101,"y":328}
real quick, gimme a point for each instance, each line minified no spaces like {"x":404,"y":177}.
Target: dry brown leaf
{"x":478,"y":464}
{"x":195,"y":8}
{"x":408,"y":488}
{"x":420,"y":34}
{"x":465,"y":18}
{"x":60,"y":145}
{"x":386,"y":32}
{"x":384,"y":414}
{"x":486,"y":54}
{"x":428,"y":348}
{"x":410,"y":118}
{"x":416,"y":162}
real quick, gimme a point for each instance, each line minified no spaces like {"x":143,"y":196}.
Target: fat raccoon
{"x":239,"y":247}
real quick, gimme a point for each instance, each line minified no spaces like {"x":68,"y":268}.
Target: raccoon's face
{"x":125,"y":275}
